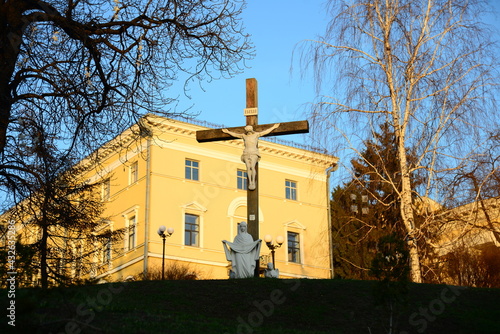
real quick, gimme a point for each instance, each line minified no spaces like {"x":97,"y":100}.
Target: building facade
{"x":475,"y":225}
{"x":159,"y":174}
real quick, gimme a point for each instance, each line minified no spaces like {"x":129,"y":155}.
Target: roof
{"x":150,"y":122}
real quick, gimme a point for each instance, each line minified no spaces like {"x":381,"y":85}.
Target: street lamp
{"x":269,"y":242}
{"x":161,"y":233}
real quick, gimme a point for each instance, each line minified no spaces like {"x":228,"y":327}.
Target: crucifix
{"x":250,"y":134}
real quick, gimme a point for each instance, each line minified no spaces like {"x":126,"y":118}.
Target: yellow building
{"x":462,"y":238}
{"x":158,"y":174}
{"x":474,"y":225}
{"x":165,"y":177}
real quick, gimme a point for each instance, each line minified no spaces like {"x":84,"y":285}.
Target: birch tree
{"x":426,"y":68}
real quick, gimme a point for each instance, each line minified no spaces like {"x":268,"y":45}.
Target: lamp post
{"x":161,"y":233}
{"x":269,"y":242}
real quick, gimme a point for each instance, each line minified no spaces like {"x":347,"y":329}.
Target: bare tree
{"x":63,"y":229}
{"x":90,"y":68}
{"x":428,"y":69}
{"x":473,"y":267}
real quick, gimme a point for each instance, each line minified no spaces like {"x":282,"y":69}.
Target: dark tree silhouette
{"x":62,"y":227}
{"x":86,"y":69}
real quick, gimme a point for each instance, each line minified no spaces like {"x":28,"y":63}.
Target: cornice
{"x":189,"y":130}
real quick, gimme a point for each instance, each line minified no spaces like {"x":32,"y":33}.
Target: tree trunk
{"x":10,"y":38}
{"x":407,"y":215}
{"x":43,"y":258}
{"x":400,"y":125}
{"x":416,"y":274}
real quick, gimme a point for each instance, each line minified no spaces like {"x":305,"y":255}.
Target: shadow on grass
{"x":248,"y":306}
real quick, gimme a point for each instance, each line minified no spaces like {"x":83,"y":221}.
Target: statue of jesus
{"x":251,"y":153}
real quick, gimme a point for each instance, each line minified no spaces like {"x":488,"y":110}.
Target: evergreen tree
{"x":367,"y":208}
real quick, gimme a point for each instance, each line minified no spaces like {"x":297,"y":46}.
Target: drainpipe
{"x":328,"y":172}
{"x":147,"y":206}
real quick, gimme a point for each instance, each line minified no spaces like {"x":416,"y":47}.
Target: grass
{"x":251,"y":306}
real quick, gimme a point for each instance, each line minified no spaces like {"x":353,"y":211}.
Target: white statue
{"x":270,"y":272}
{"x":251,"y":153}
{"x":243,"y":253}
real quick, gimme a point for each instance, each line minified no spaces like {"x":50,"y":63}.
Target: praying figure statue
{"x":251,"y":153}
{"x":271,"y":272}
{"x":243,"y":253}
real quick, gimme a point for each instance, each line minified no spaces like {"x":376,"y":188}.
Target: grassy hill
{"x":251,"y":306}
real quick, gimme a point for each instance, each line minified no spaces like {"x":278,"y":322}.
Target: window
{"x":134,"y":172}
{"x":191,"y":230}
{"x":192,"y":170}
{"x":293,"y":247}
{"x":59,"y":264}
{"x":242,"y":179}
{"x":106,"y":190}
{"x":291,"y":190}
{"x":132,"y":232}
{"x":106,"y":251}
{"x":193,"y":215}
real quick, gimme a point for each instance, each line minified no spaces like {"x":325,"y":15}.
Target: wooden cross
{"x":251,"y":113}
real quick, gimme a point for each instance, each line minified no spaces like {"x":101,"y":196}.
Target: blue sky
{"x":276,"y":26}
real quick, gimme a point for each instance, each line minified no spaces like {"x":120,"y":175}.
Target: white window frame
{"x":134,"y":212}
{"x":196,"y":209}
{"x":293,"y":189}
{"x":191,"y":169}
{"x":133,"y":175}
{"x":299,"y":249}
{"x":106,"y":190}
{"x":198,"y":236}
{"x":243,"y":179}
{"x":295,"y":227}
{"x":132,"y":221}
